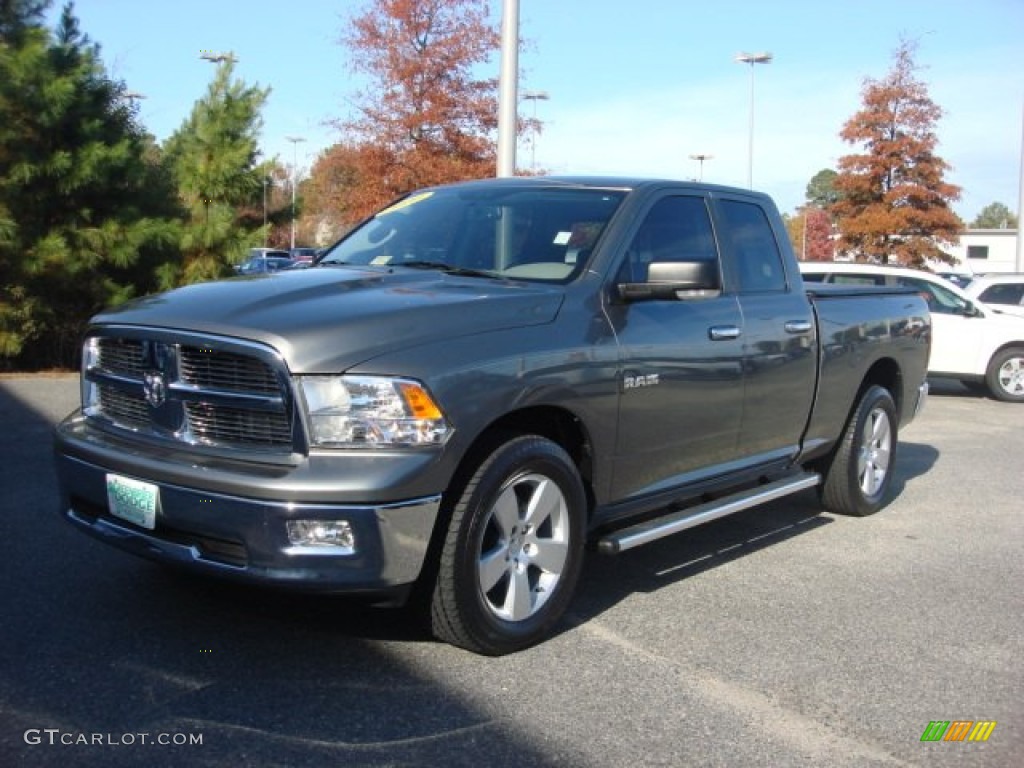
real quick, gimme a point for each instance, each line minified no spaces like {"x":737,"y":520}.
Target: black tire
{"x":1005,"y":376}
{"x":513,"y":550}
{"x":858,"y":476}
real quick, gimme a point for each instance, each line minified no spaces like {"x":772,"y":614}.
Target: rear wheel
{"x":513,"y":551}
{"x":858,"y":476}
{"x":1005,"y":377}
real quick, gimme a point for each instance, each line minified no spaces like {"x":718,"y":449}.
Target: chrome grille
{"x":238,"y":426}
{"x":223,"y":394}
{"x":124,"y":407}
{"x":215,"y":369}
{"x":125,"y":356}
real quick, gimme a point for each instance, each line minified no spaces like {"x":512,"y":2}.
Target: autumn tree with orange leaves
{"x":424,"y":117}
{"x":810,"y":233}
{"x":894,"y":205}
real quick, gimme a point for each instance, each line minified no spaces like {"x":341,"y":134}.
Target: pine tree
{"x":81,"y":212}
{"x":213,"y":160}
{"x":894,"y":204}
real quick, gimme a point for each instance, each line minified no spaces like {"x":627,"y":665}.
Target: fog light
{"x":326,"y":537}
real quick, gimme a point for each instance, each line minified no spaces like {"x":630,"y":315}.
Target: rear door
{"x":779,"y":332}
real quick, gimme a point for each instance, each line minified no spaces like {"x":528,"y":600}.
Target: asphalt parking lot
{"x":783,"y":636}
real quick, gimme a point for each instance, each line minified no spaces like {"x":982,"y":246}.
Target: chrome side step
{"x":651,"y":530}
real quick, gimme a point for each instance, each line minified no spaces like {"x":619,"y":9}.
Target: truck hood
{"x":328,"y":319}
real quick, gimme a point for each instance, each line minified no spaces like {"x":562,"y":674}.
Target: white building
{"x":986,"y":250}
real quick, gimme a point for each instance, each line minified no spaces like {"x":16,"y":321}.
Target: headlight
{"x":90,"y":359}
{"x":371,"y":411}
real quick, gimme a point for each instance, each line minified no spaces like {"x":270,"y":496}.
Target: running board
{"x":651,"y":530}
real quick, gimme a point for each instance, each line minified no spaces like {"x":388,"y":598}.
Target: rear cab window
{"x":748,"y":236}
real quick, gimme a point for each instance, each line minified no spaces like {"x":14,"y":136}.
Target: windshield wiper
{"x":449,"y":269}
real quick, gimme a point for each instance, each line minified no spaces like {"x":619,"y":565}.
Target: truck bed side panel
{"x":890,"y":335}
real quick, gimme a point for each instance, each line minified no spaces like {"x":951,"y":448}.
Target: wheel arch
{"x":885,"y":373}
{"x":1004,"y":347}
{"x":559,"y":425}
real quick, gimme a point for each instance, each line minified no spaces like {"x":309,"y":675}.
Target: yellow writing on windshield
{"x":412,"y":200}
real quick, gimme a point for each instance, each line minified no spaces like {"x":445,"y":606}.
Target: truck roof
{"x":600,"y":181}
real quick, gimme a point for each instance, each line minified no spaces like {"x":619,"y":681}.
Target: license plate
{"x":133,"y":500}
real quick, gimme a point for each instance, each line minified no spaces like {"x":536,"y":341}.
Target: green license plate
{"x":133,"y":500}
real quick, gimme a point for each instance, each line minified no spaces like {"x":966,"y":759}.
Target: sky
{"x":634,"y":88}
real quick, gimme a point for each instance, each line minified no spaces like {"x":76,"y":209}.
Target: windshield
{"x":529,"y":233}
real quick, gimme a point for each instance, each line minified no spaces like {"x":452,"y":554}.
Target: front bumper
{"x":241,"y":536}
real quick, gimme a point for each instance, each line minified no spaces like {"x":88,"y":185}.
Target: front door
{"x":681,"y":382}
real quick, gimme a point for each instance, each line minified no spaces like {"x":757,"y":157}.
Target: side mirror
{"x":968,"y":309}
{"x":674,"y":280}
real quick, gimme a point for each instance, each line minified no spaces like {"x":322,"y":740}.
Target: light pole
{"x":295,"y":146}
{"x":752,"y":59}
{"x":534,"y":96}
{"x":508,"y":86}
{"x":700,"y":158}
{"x":266,"y":180}
{"x":1020,"y":201}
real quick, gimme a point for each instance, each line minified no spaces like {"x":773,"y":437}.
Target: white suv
{"x":970,"y":341}
{"x":1002,"y":292}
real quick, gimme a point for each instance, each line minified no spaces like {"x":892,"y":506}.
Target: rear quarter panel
{"x":862,"y":330}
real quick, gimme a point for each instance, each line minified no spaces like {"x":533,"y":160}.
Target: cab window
{"x":753,"y":246}
{"x":677,"y":228}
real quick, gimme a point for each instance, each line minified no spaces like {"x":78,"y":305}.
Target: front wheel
{"x":1005,"y":376}
{"x":859,"y":474}
{"x":513,"y":551}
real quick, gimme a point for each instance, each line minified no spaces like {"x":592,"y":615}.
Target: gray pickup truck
{"x":481,"y":383}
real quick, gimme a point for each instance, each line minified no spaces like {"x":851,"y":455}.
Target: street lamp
{"x":752,"y":59}
{"x":217,"y":58}
{"x":295,"y":146}
{"x":132,"y":98}
{"x":534,"y":96}
{"x":700,"y":158}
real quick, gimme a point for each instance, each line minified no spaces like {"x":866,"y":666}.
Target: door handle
{"x":798,"y":326}
{"x":723,"y":332}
